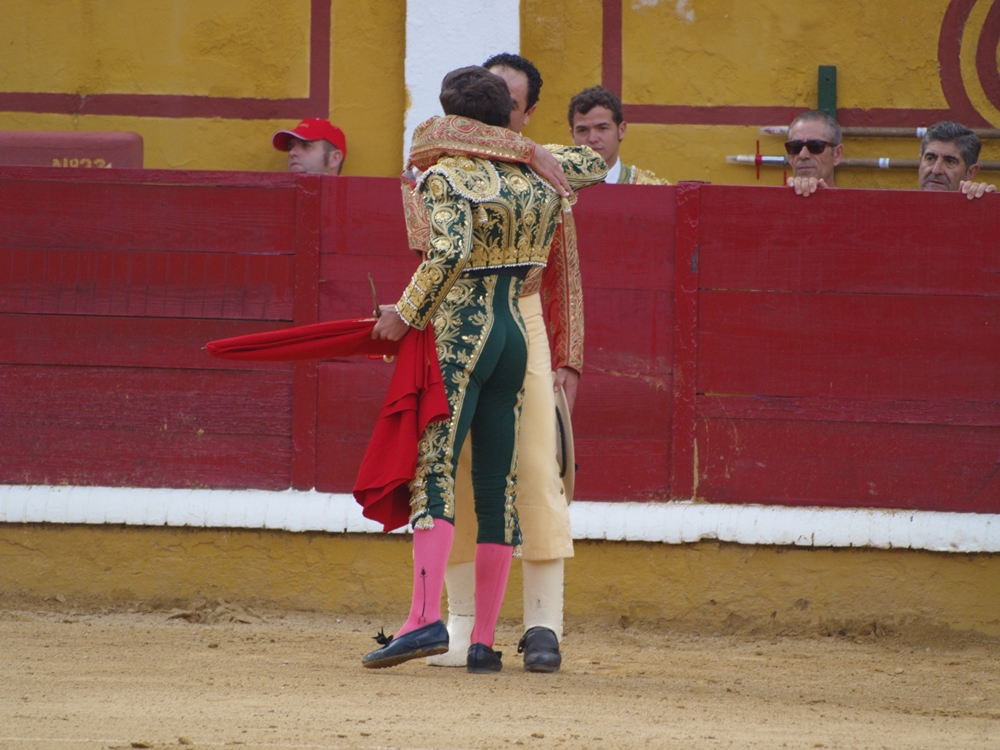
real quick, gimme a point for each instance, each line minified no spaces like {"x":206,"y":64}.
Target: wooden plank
{"x":627,"y":223}
{"x":849,"y":346}
{"x":141,"y":283}
{"x":368,"y":218}
{"x":123,"y":341}
{"x":202,"y":402}
{"x":344,"y":291}
{"x":646,"y":480}
{"x":684,"y":454}
{"x":628,"y":330}
{"x":369,"y":236}
{"x":304,"y":374}
{"x":873,"y":241}
{"x":922,"y":467}
{"x":623,"y":405}
{"x":110,"y":216}
{"x":126,"y":458}
{"x":197,"y":177}
{"x":890,"y":411}
{"x":350,"y":396}
{"x":639,"y":277}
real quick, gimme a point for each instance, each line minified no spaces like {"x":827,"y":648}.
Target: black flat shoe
{"x":426,"y":641}
{"x":541,"y":650}
{"x":482,"y":659}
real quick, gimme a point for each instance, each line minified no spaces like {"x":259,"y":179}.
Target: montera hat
{"x":311,"y":129}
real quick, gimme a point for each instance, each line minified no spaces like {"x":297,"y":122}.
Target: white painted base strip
{"x":669,"y":523}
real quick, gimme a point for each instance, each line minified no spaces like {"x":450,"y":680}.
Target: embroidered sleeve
{"x":450,"y":218}
{"x":418,"y":222}
{"x":582,"y":165}
{"x":440,"y":136}
{"x":645,"y":177}
{"x":562,"y":297}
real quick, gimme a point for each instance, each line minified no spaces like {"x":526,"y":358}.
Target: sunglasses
{"x":815,"y":146}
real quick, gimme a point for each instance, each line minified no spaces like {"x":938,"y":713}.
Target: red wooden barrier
{"x":743,"y":344}
{"x":849,"y":350}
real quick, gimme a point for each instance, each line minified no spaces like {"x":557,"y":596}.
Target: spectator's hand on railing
{"x":973,"y":190}
{"x":805,"y":186}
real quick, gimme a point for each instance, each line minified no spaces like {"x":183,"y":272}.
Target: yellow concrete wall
{"x":749,"y":53}
{"x":707,"y":586}
{"x":708,"y":52}
{"x":195,"y":47}
{"x":220,"y":48}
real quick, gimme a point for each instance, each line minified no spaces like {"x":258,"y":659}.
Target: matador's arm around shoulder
{"x":582,"y":165}
{"x":451,"y":134}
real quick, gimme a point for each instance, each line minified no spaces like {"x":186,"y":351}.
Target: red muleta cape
{"x":416,"y":398}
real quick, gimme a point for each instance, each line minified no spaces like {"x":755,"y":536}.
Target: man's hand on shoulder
{"x":549,"y":169}
{"x":805,"y":186}
{"x":568,"y":379}
{"x":973,"y":190}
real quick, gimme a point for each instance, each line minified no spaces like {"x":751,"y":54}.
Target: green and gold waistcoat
{"x":487,"y":215}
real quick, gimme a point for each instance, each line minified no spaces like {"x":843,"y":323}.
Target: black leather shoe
{"x":482,"y":659}
{"x":426,"y":641}
{"x":541,"y":650}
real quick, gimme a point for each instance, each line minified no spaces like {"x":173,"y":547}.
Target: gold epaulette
{"x":473,"y":179}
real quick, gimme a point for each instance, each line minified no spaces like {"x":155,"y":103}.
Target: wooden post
{"x":304,"y":374}
{"x":684,"y":455}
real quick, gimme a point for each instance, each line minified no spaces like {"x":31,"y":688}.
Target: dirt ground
{"x":219,"y":675}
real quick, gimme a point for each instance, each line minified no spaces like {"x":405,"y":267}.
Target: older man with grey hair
{"x":949,"y":156}
{"x":815,"y":148}
{"x":949,"y":159}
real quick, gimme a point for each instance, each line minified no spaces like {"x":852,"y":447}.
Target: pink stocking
{"x":492,"y":568}
{"x":430,"y":558}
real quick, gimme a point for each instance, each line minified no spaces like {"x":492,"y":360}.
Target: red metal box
{"x":37,"y":148}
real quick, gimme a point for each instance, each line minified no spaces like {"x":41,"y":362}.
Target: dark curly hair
{"x":516,"y":62}
{"x":595,"y":96}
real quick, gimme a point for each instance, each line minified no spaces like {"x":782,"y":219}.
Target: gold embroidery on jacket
{"x":461,"y":326}
{"x":510,"y":517}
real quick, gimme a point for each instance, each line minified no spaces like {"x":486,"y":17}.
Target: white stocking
{"x":543,"y":595}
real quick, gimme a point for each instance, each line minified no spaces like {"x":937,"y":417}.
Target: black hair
{"x":595,"y":96}
{"x":516,"y":62}
{"x":952,"y":132}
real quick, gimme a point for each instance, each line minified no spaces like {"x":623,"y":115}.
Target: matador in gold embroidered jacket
{"x":559,"y":281}
{"x":488,"y":224}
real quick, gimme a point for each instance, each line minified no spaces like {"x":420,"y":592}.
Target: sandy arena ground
{"x":218,"y":675}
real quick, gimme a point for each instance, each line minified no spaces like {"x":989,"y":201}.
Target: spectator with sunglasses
{"x":814,"y":149}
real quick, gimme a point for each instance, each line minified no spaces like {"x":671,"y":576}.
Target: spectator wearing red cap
{"x":315,"y":146}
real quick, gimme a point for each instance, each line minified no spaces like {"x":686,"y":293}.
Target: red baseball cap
{"x":311,"y":129}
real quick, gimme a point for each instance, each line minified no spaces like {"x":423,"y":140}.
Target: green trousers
{"x":483,"y":352}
